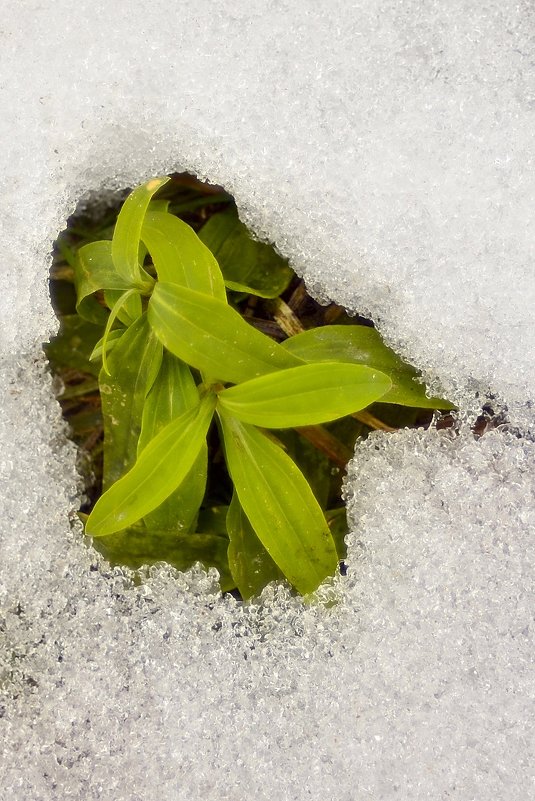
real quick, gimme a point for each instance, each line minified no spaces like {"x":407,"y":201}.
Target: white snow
{"x":387,"y":149}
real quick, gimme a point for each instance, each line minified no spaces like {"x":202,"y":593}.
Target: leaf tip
{"x":156,"y":183}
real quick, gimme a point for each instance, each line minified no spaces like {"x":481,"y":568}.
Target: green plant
{"x":177,"y":354}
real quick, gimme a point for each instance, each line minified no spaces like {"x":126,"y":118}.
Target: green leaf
{"x":160,"y":469}
{"x":213,"y":520}
{"x":134,"y":364}
{"x":172,"y":394}
{"x":94,"y":271}
{"x":361,"y":344}
{"x":251,"y":566}
{"x":89,"y":384}
{"x":195,"y":202}
{"x":208,"y":334}
{"x":135,"y":547}
{"x":73,"y":345}
{"x":128,"y":311}
{"x":313,"y":463}
{"x":247,"y":265}
{"x":112,"y":340}
{"x":305,"y":396}
{"x":280,"y":505}
{"x":122,"y":302}
{"x":127,"y":233}
{"x":158,"y":205}
{"x":179,"y":256}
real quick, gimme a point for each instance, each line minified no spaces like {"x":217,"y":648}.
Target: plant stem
{"x":324,"y":441}
{"x":371,"y":421}
{"x":286,"y":319}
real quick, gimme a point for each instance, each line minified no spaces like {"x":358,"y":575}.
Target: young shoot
{"x":221,"y":433}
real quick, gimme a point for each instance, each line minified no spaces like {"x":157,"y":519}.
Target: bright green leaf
{"x":158,"y":205}
{"x":247,"y":265}
{"x":316,"y":467}
{"x":160,"y":469}
{"x":127,"y":233}
{"x":172,"y":394}
{"x":112,"y":340}
{"x":121,"y":303}
{"x":130,"y":310}
{"x":251,"y":566}
{"x":94,"y":271}
{"x":361,"y":344}
{"x":280,"y":505}
{"x":305,"y":396}
{"x":133,"y":364}
{"x":208,"y":334}
{"x":179,"y":256}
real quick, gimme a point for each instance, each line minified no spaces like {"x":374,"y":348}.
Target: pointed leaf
{"x":160,"y":469}
{"x":180,"y":510}
{"x":305,"y":396}
{"x":360,"y":344}
{"x":134,"y":364}
{"x":251,"y":566}
{"x":94,"y":271}
{"x":173,"y":393}
{"x":112,"y":340}
{"x":247,"y":265}
{"x":158,"y":205}
{"x":127,"y":233}
{"x":208,"y":334}
{"x":179,"y":256}
{"x":280,"y":505}
{"x":115,"y":311}
{"x":130,"y":310}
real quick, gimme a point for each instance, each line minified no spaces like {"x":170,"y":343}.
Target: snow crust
{"x":387,"y":149}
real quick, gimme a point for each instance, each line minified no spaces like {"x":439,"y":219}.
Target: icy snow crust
{"x":387,"y":149}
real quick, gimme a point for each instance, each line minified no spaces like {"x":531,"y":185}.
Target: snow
{"x":387,"y":149}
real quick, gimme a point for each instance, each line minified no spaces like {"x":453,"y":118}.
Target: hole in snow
{"x":108,"y":414}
